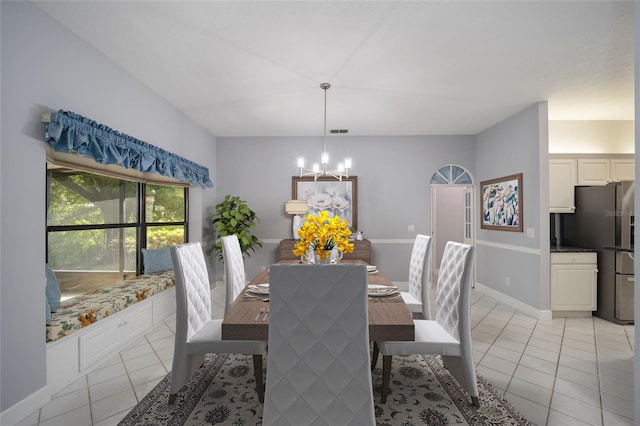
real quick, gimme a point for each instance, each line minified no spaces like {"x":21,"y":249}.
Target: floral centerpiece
{"x":322,"y":234}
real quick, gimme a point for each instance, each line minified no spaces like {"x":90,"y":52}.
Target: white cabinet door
{"x":593,"y":171}
{"x":100,"y":343}
{"x":574,"y":278}
{"x":562,"y":180}
{"x":623,"y":169}
{"x":137,"y":322}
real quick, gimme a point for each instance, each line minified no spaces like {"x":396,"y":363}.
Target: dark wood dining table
{"x":389,"y":317}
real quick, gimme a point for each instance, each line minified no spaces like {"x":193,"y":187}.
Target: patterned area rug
{"x":222,"y":392}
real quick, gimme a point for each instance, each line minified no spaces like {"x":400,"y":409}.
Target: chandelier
{"x":322,"y":169}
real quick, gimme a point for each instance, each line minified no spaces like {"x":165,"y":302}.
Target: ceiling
{"x":396,"y":68}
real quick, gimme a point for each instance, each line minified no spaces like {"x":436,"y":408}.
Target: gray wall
{"x":45,"y":67}
{"x":393,"y":186}
{"x":512,"y":146}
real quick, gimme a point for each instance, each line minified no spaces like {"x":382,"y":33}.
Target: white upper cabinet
{"x":593,"y":171}
{"x":568,"y":170}
{"x":600,"y":171}
{"x":623,"y":169}
{"x":562,"y":180}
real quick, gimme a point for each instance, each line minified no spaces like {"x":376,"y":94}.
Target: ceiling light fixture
{"x":322,"y":169}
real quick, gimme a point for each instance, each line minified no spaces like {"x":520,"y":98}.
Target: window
{"x":96,"y":226}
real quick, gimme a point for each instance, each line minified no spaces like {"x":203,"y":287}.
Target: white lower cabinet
{"x":101,"y":343}
{"x":80,"y":352}
{"x":574,"y":278}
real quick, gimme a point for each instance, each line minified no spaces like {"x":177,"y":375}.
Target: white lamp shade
{"x":296,"y":207}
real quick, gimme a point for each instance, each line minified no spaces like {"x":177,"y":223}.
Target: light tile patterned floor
{"x":568,"y":371}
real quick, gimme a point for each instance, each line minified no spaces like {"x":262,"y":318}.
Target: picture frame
{"x":327,"y":193}
{"x":501,"y":201}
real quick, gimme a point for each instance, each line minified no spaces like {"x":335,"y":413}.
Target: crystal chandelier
{"x":322,"y":169}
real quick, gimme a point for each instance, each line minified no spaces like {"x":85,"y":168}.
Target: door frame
{"x":445,"y":176}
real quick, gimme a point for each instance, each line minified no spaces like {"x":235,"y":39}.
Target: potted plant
{"x":233,"y":216}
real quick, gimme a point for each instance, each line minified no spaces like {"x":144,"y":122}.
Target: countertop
{"x":567,"y":249}
{"x":620,"y":248}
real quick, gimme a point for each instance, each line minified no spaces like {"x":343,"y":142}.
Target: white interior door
{"x":448,"y":218}
{"x":468,"y":216}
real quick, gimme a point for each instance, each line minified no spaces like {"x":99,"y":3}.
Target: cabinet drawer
{"x":286,"y":249}
{"x":364,"y":255}
{"x":573,"y":258}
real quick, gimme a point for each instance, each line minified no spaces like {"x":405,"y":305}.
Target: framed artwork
{"x":502,"y":203}
{"x":326,"y":193}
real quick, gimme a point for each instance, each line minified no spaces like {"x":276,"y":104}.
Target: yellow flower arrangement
{"x":323,"y":233}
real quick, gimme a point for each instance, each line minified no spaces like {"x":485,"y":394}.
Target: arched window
{"x":451,"y":174}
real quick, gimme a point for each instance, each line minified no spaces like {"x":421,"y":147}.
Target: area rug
{"x":222,"y":392}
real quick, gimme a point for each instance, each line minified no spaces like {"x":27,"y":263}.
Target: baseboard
{"x":572,"y":314}
{"x":24,"y":408}
{"x":541,"y":314}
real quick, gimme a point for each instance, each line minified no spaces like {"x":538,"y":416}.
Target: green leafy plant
{"x":233,"y":216}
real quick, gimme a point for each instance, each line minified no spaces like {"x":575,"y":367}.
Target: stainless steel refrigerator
{"x":604,"y":221}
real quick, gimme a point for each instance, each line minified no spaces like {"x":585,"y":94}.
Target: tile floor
{"x":568,"y":371}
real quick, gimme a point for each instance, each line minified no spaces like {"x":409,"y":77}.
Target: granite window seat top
{"x":90,"y":307}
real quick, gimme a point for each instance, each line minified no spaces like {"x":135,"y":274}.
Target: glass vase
{"x":335,"y":256}
{"x":326,"y":260}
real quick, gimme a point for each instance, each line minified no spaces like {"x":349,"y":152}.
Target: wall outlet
{"x":531,"y":232}
{"x":411,"y":228}
{"x":507,"y":283}
{"x":262,"y":268}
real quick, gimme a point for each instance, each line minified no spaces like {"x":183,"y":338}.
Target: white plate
{"x":381,"y":290}
{"x":259,"y":289}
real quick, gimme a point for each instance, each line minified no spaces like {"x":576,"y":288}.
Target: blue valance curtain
{"x":69,"y":132}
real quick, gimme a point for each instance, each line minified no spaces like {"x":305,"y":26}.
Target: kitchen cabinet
{"x":568,"y":170}
{"x":600,"y":171}
{"x":593,"y":171}
{"x":574,"y":277}
{"x":623,"y":169}
{"x":563,"y":178}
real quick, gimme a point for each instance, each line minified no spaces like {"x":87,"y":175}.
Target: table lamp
{"x":296,"y":208}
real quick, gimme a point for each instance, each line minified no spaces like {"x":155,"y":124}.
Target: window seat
{"x":82,"y":311}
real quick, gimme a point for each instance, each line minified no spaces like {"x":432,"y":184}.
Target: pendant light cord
{"x":325,"y":87}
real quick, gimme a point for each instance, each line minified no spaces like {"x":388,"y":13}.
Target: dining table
{"x":389,"y":316}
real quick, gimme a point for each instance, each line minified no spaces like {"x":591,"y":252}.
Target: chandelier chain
{"x":322,"y":169}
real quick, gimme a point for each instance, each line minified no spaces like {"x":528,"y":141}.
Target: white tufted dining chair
{"x":419,"y":277}
{"x":235,"y":278}
{"x":318,"y":366}
{"x":196,"y":332}
{"x":449,"y":335}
